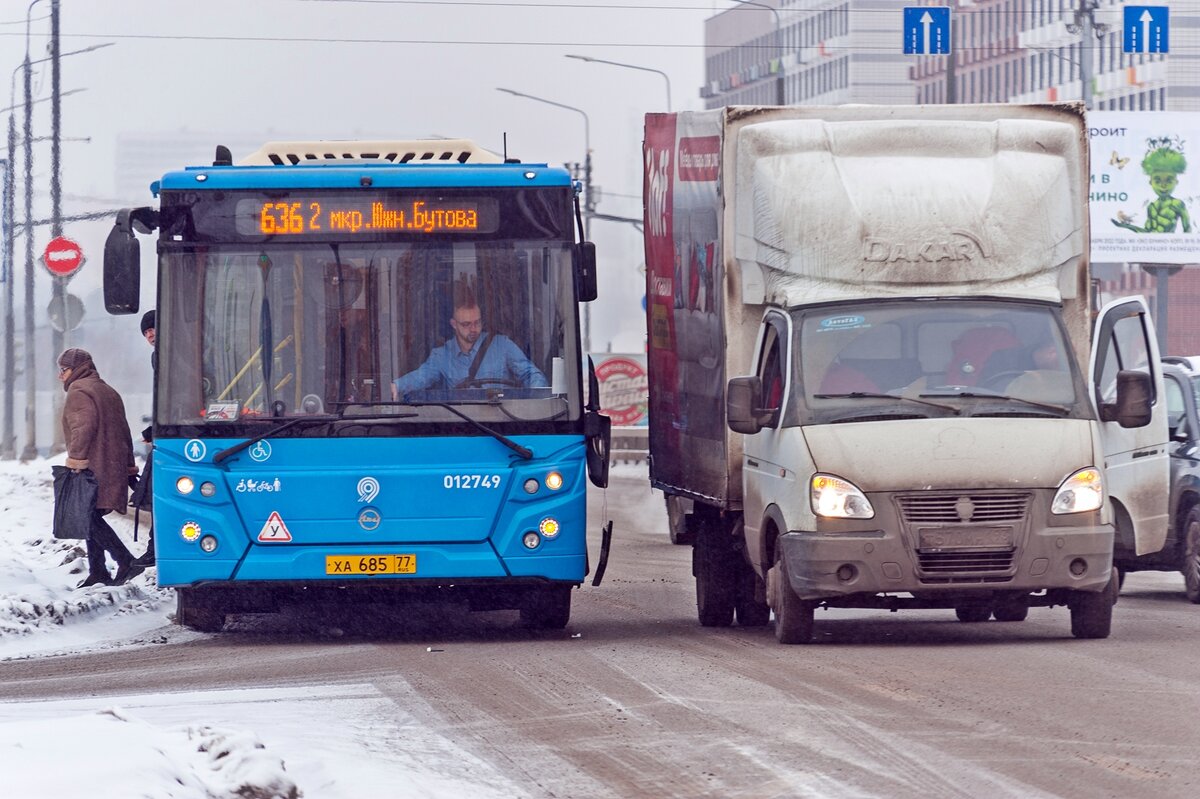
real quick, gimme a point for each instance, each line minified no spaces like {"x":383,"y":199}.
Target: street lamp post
{"x":665,"y":77}
{"x":778,"y":46}
{"x":588,"y":206}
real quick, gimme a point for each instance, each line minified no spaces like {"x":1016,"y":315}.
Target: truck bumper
{"x":830,"y":565}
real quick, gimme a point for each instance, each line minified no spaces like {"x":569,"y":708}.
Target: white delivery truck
{"x":876,"y":372}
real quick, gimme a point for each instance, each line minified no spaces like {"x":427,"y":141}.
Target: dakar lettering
{"x":962,"y":247}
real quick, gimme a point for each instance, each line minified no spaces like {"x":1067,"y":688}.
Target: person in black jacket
{"x":142,"y":494}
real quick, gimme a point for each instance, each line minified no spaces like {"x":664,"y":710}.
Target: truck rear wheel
{"x":1091,"y":611}
{"x":793,"y":615}
{"x":677,"y":521}
{"x":1011,"y":610}
{"x":750,"y":611}
{"x":547,"y":608}
{"x":202,"y":619}
{"x":1191,"y":555}
{"x":714,"y":568}
{"x":972,"y":614}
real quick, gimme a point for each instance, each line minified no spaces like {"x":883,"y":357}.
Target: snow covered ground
{"x":314,"y":741}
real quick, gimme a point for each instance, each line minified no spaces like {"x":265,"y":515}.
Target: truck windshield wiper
{"x":881,"y":395}
{"x":524,"y":452}
{"x":989,"y":395}
{"x":229,"y":452}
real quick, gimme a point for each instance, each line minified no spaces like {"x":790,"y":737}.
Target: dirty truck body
{"x":873,"y":370}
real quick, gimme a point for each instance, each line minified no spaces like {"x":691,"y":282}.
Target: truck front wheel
{"x":714,"y":567}
{"x":793,"y":615}
{"x":1091,"y":611}
{"x":1191,"y":555}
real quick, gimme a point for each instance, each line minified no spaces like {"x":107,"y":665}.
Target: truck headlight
{"x":1082,"y":491}
{"x":836,"y":498}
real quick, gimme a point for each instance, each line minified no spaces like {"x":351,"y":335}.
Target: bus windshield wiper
{"x":229,"y":452}
{"x":881,"y":395}
{"x":989,"y":395}
{"x":524,"y":452}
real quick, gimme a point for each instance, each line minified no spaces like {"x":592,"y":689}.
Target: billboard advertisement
{"x":1145,"y":186}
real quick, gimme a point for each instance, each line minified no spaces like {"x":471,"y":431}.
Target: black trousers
{"x":101,"y":539}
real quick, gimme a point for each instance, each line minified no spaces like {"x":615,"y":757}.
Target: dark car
{"x":1181,"y":552}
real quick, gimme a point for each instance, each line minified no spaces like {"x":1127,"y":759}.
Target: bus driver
{"x":471,"y":358}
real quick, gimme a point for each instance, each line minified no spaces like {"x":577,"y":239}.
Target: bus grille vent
{"x":433,"y":151}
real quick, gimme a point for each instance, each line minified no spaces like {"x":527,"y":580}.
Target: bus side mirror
{"x":122,"y":270}
{"x":742,"y":398}
{"x":585,"y":270}
{"x":597,"y":431}
{"x":1132,"y":408}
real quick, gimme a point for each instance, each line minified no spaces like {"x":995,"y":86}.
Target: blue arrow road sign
{"x":926,"y":30}
{"x":1146,"y":29}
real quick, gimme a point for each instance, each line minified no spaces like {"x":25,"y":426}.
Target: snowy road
{"x":636,"y":699}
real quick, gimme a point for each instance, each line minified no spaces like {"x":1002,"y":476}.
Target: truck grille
{"x":952,"y":566}
{"x":963,"y":508}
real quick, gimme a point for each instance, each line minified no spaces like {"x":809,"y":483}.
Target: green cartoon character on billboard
{"x":1164,"y":163}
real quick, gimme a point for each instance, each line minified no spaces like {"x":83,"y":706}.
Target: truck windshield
{"x":282,"y":330}
{"x":971,"y":358}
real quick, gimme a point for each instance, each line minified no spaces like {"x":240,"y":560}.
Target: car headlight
{"x":1082,"y":491}
{"x":836,"y":498}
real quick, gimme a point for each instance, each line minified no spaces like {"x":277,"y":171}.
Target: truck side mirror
{"x":584,"y":257}
{"x":743,"y":396}
{"x":122,"y":270}
{"x":1132,"y":408}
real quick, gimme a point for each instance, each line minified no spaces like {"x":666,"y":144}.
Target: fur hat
{"x":148,"y":320}
{"x":74,"y":358}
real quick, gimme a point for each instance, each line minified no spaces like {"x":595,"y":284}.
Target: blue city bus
{"x":294,"y":288}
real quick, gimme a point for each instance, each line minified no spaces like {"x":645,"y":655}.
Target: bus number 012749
{"x":471,"y":481}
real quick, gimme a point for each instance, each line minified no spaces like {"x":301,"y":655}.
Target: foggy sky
{"x":441,"y":81}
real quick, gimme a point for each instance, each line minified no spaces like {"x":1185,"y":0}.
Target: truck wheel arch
{"x":1125,"y":539}
{"x":772,"y":524}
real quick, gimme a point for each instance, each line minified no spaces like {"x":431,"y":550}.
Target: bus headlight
{"x":185,"y":485}
{"x":1082,"y":491}
{"x":531,"y":540}
{"x":836,"y":498}
{"x":554,"y":481}
{"x":208,"y":543}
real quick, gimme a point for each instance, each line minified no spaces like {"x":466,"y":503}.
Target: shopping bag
{"x":74,"y":501}
{"x":142,"y":493}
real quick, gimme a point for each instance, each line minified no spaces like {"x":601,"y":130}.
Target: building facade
{"x":806,"y":52}
{"x":829,"y":52}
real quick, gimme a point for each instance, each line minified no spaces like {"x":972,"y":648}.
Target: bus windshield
{"x":285,"y":329}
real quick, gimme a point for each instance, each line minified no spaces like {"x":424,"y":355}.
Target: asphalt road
{"x":635,"y":699}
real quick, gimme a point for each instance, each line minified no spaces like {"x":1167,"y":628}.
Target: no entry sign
{"x":62,"y":257}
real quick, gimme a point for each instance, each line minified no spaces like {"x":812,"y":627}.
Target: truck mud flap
{"x":605,"y":541}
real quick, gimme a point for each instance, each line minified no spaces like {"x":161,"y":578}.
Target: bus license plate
{"x":371,"y":564}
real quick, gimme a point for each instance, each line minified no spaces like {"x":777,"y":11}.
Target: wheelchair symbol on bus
{"x":260,"y":451}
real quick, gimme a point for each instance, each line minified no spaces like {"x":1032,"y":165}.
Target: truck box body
{"x":746,"y":206}
{"x":916,"y":280}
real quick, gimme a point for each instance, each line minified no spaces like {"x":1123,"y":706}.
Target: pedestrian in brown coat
{"x":98,"y":439}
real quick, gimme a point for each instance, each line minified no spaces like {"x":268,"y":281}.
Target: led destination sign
{"x":331,"y":215}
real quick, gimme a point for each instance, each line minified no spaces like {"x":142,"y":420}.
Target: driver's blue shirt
{"x":448,"y":365}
